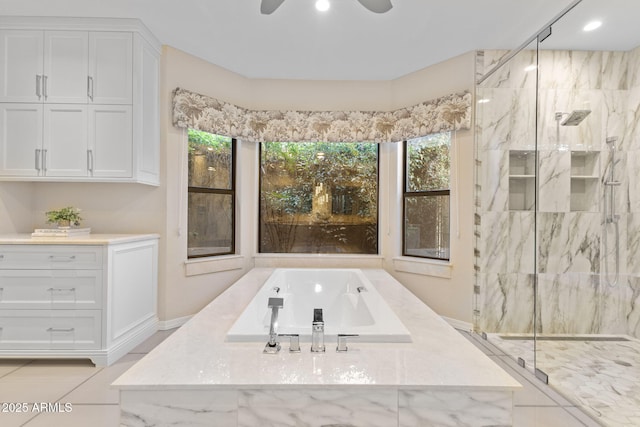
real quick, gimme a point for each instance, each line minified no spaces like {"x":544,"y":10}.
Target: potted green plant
{"x":64,"y":217}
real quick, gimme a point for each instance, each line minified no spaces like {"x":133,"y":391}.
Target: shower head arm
{"x":559,"y":115}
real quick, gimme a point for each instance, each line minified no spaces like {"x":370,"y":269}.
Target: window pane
{"x":210,"y":162}
{"x":428,"y":163}
{"x":319,"y":198}
{"x":210,"y":224}
{"x":427,"y":226}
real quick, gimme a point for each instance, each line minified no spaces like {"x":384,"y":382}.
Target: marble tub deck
{"x":196,"y":378}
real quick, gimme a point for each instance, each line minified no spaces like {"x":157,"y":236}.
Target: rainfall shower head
{"x":573,"y":118}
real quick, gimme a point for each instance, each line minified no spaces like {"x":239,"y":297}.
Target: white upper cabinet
{"x":78,"y":100}
{"x":65,"y":141}
{"x":110,"y":134}
{"x":21,"y":65}
{"x":23,"y":123}
{"x":110,"y":68}
{"x":66,"y":67}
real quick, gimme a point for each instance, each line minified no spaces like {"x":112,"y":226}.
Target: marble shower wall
{"x":574,"y":246}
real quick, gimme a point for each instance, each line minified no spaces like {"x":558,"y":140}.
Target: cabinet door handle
{"x":90,"y":161}
{"x":54,"y":258}
{"x":44,"y":86}
{"x":38,"y":83}
{"x":38,"y":159}
{"x":44,"y":160}
{"x":61,"y":289}
{"x":61,"y":329}
{"x":90,"y":87}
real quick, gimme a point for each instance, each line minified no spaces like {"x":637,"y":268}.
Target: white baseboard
{"x":458,"y":324}
{"x":164,"y":325}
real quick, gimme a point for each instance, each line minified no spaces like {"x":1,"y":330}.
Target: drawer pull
{"x":62,"y":258}
{"x":1,"y":257}
{"x":61,"y":289}
{"x":61,"y":329}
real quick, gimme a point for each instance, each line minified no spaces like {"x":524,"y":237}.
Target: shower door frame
{"x":538,"y":38}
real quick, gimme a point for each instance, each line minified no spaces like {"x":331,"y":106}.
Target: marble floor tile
{"x":152,"y":342}
{"x":602,"y":378}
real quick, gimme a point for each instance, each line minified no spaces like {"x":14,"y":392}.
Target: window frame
{"x":259,"y":209}
{"x":429,"y":193}
{"x":224,"y":191}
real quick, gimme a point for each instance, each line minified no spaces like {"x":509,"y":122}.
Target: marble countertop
{"x":197,"y":356}
{"x":89,"y":239}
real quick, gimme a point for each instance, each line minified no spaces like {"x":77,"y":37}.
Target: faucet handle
{"x":342,"y":342}
{"x":294,"y":342}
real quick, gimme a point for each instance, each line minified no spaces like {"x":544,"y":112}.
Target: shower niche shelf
{"x":585,"y":177}
{"x":522,"y":180}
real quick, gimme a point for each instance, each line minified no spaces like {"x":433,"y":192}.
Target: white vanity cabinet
{"x":91,"y":297}
{"x":78,"y":100}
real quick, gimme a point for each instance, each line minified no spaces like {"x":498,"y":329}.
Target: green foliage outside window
{"x":428,"y":163}
{"x":319,"y":197}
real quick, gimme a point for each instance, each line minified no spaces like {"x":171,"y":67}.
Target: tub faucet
{"x":317,"y":332}
{"x":273,"y":346}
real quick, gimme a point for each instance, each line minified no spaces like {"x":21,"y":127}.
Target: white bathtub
{"x":350,"y":304}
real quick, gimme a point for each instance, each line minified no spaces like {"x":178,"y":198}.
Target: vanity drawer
{"x":50,"y":257}
{"x":50,"y":329}
{"x":50,"y":289}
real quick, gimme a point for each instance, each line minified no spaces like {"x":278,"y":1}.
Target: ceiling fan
{"x":267,"y":7}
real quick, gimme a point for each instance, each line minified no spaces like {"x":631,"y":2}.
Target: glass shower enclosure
{"x":558,"y":208}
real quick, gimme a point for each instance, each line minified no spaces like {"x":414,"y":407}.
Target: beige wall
{"x":449,"y":297}
{"x":133,"y":208}
{"x":15,"y":206}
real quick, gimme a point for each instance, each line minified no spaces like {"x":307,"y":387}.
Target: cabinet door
{"x":21,"y":64}
{"x":66,"y":69}
{"x":65,"y":151}
{"x":110,"y":67}
{"x":20,"y":139}
{"x":110,"y":141}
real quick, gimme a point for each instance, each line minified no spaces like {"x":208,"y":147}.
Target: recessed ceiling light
{"x":530,"y":67}
{"x":323,"y":5}
{"x":483,"y":101}
{"x":592,"y":25}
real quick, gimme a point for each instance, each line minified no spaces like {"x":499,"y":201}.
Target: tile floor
{"x":537,"y":405}
{"x":95,"y":404}
{"x":77,"y":382}
{"x":602,"y":376}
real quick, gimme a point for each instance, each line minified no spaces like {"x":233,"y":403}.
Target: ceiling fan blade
{"x":267,"y":7}
{"x":377,"y":6}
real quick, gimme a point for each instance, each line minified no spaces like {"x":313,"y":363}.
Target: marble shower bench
{"x":195,"y":378}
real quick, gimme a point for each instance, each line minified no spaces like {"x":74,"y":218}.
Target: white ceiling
{"x":347,"y":42}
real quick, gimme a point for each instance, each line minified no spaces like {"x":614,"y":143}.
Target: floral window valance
{"x":192,"y":110}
